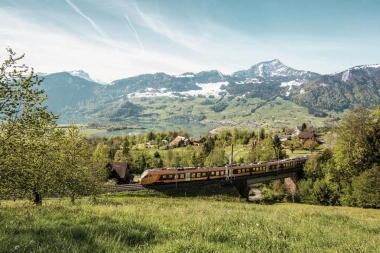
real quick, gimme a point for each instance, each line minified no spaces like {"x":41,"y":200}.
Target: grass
{"x":148,"y":221}
{"x":273,"y":116}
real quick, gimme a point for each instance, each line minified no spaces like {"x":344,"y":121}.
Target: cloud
{"x":133,"y":31}
{"x":176,"y":35}
{"x":97,"y":28}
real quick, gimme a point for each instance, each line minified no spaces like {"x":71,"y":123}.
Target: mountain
{"x":359,"y":85}
{"x":74,"y":94}
{"x":81,"y":74}
{"x":273,"y":69}
{"x":67,"y":91}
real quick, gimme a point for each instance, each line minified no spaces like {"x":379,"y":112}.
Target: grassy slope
{"x":273,"y":115}
{"x":276,"y":114}
{"x":156,"y":222}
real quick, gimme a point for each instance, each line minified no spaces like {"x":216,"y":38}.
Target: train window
{"x":212,"y":173}
{"x":170,"y":176}
{"x":204,"y":174}
{"x":222,"y":173}
{"x":181,"y":175}
{"x":217,"y":173}
{"x":198,"y":174}
{"x":192,"y":174}
{"x":239,"y":171}
{"x":164,"y":176}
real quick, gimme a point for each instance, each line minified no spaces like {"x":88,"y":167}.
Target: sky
{"x":114,"y":39}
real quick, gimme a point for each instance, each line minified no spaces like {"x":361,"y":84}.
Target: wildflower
{"x":32,"y":242}
{"x":257,"y":224}
{"x":17,"y":247}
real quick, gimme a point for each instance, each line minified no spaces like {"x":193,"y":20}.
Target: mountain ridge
{"x":70,"y":93}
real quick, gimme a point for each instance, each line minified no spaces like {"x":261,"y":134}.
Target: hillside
{"x":152,"y":222}
{"x":211,"y":95}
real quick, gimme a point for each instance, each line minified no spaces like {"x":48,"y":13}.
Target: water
{"x":192,"y":129}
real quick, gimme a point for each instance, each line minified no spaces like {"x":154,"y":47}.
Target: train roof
{"x":166,"y":171}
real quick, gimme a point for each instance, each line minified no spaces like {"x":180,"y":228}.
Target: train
{"x":178,"y":175}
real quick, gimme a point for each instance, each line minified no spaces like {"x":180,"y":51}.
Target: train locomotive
{"x":178,"y":175}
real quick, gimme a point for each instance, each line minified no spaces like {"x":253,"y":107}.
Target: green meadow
{"x":212,"y":219}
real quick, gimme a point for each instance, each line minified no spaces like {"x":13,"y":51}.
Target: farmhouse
{"x":119,"y":171}
{"x":304,"y":136}
{"x":180,"y":141}
{"x":198,"y":140}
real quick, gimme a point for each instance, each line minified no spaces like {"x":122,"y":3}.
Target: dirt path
{"x":257,"y":193}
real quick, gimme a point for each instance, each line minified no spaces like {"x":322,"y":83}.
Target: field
{"x":170,"y":113}
{"x":210,"y":220}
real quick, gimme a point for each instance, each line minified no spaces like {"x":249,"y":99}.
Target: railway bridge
{"x":243,"y":183}
{"x":241,"y":176}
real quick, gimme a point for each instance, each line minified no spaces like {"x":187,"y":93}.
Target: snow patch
{"x":207,"y":89}
{"x":367,"y":66}
{"x":346,"y":76}
{"x":249,"y":80}
{"x":291,"y":83}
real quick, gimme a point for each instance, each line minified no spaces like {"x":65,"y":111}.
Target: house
{"x":198,"y":140}
{"x":149,"y":144}
{"x":285,"y":137}
{"x":298,"y":130}
{"x":119,"y":171}
{"x":304,"y":136}
{"x":179,"y":141}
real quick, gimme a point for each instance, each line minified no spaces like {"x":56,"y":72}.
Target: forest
{"x":39,"y":159}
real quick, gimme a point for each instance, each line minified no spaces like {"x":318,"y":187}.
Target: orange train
{"x":178,"y":175}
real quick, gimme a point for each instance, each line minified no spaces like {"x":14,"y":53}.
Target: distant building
{"x":198,"y":140}
{"x":119,"y":171}
{"x":298,"y":130}
{"x":304,"y":136}
{"x":179,"y":141}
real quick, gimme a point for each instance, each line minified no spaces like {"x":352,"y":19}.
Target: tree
{"x":352,"y":146}
{"x":303,"y":127}
{"x":142,"y":162}
{"x":367,"y":188}
{"x":217,"y":157}
{"x":28,"y":133}
{"x":276,"y":146}
{"x":78,"y":174}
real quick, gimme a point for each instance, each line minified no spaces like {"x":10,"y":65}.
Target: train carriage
{"x":172,"y":175}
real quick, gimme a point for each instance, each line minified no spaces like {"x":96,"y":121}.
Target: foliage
{"x":79,"y":174}
{"x":217,"y":157}
{"x":367,"y":188}
{"x":28,"y":134}
{"x":36,"y":158}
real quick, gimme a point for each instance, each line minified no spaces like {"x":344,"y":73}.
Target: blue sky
{"x":114,"y":39}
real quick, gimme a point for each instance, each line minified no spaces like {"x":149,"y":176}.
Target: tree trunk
{"x":72,"y":198}
{"x":37,"y":198}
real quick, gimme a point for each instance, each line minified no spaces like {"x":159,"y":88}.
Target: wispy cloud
{"x":97,"y":28}
{"x":133,"y":31}
{"x":172,"y":33}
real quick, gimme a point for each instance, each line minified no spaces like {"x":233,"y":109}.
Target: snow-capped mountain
{"x":351,"y":73}
{"x":358,"y":85}
{"x":273,"y":68}
{"x":81,"y":74}
{"x":75,"y":92}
